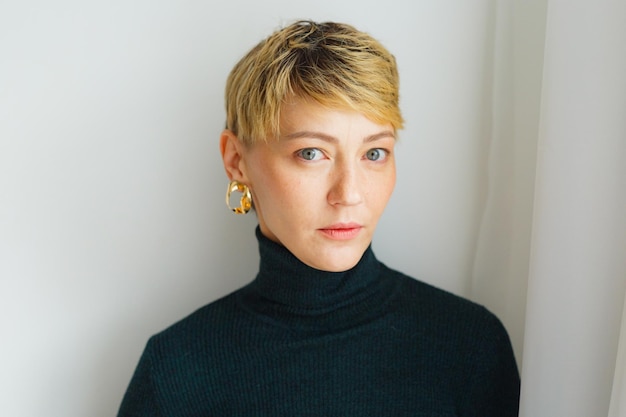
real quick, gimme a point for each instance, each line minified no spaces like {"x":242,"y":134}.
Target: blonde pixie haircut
{"x":332,"y":63}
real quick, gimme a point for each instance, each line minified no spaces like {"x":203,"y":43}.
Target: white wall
{"x":112,"y":220}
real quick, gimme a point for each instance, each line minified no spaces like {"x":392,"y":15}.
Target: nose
{"x":347,"y":186}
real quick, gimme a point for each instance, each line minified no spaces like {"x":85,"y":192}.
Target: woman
{"x":324,"y":329}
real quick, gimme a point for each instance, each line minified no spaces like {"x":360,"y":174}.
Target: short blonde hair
{"x":331,"y":63}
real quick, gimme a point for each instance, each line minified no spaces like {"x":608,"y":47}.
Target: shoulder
{"x":168,"y":371}
{"x":431,"y":299}
{"x":453,"y":331}
{"x":209,"y":322}
{"x":442,"y":314}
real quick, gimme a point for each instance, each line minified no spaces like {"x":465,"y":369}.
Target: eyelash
{"x":383,"y":154}
{"x":301,"y":153}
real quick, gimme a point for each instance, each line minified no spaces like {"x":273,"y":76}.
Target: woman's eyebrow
{"x":380,"y":135}
{"x":332,"y":139}
{"x":311,"y":134}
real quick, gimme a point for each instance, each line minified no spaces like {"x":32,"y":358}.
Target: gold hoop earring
{"x":245,"y":203}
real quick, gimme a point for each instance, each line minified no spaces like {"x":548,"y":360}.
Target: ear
{"x":232,"y":156}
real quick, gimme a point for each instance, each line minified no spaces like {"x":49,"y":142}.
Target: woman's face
{"x":320,"y":189}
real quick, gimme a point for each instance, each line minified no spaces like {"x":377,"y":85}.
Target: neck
{"x":294,"y":293}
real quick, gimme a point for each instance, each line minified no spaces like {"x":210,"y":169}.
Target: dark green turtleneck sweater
{"x":297,"y":341}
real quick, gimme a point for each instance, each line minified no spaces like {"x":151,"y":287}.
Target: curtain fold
{"x":550,"y":257}
{"x":618,"y":396}
{"x":500,"y":270}
{"x":577,"y":274}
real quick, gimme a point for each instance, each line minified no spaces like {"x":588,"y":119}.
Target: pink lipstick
{"x":341,"y":231}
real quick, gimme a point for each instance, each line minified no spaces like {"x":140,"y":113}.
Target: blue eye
{"x":376,"y":154}
{"x":310,"y":154}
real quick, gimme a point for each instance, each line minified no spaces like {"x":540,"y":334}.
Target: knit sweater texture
{"x":298,"y":341}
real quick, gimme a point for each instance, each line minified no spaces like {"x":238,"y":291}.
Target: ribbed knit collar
{"x":291,"y":292}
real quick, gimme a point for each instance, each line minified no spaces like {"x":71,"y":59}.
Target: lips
{"x":342,"y":231}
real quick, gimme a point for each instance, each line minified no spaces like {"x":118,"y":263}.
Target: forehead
{"x":304,"y":115}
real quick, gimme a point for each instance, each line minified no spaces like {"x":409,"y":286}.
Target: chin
{"x":332,"y":256}
{"x":338,"y":262}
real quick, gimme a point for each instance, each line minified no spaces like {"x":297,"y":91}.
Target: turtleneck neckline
{"x":289,"y":291}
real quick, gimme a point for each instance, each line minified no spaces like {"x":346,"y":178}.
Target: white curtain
{"x":551,"y":255}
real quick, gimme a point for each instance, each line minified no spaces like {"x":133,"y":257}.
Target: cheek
{"x":392,"y":183}
{"x":275,"y":192}
{"x":381,"y":188}
{"x":383,"y":199}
